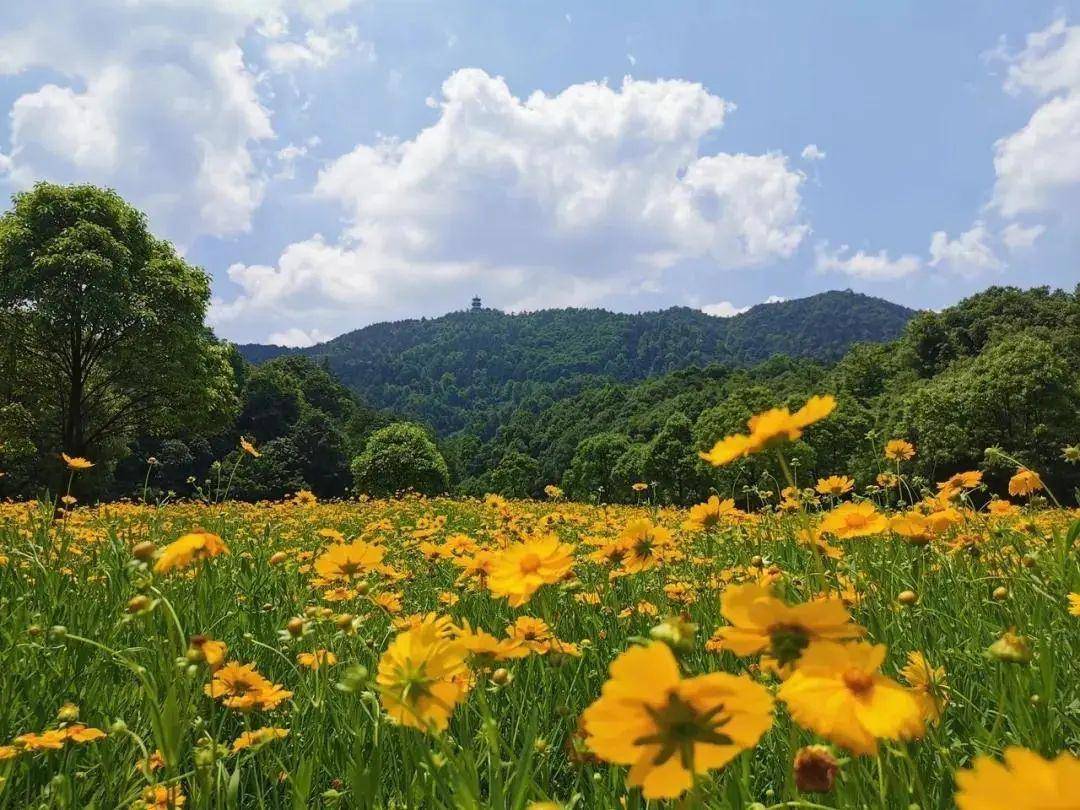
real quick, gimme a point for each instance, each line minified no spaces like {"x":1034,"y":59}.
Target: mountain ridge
{"x":463,"y":369}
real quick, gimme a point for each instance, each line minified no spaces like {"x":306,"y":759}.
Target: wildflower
{"x":769,"y":429}
{"x":1010,"y":648}
{"x":837,"y":691}
{"x":835,"y":485}
{"x":76,"y":463}
{"x":197,"y":545}
{"x":79,"y":733}
{"x":533,"y":634}
{"x":68,"y":713}
{"x":705,"y":516}
{"x":314,"y":660}
{"x":1074,"y":604}
{"x":1025,"y":482}
{"x":8,"y":752}
{"x":853,"y":520}
{"x":669,"y":729}
{"x":162,"y":797}
{"x":249,"y":448}
{"x":644,"y":544}
{"x":520,"y":570}
{"x":639,"y":486}
{"x":899,"y":450}
{"x":421,"y":677}
{"x":1023,"y":781}
{"x":761,"y":623}
{"x":346,"y":561}
{"x":1071,"y":453}
{"x":258,"y":738}
{"x":553,"y":492}
{"x":928,"y":684}
{"x":958,"y":483}
{"x":914,"y":527}
{"x":45,"y":741}
{"x":815,"y":769}
{"x":484,"y":647}
{"x":242,"y":688}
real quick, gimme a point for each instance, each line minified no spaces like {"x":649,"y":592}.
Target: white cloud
{"x":969,"y":254}
{"x":5,"y":164}
{"x":723,"y":309}
{"x":295,"y":337}
{"x":155,"y":98}
{"x":871,"y":266}
{"x":317,"y":49}
{"x":1017,"y":237}
{"x":812,"y":152}
{"x":1038,"y":167}
{"x":532,"y":202}
{"x":775,"y":299}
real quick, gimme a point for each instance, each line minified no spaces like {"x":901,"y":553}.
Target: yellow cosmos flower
{"x":1024,"y":781}
{"x":518,"y":571}
{"x":1074,"y":604}
{"x":1025,"y":482}
{"x":249,"y":448}
{"x":914,"y":527}
{"x":645,"y":545}
{"x":853,"y":520}
{"x":422,"y":676}
{"x":45,"y":741}
{"x":533,"y":634}
{"x":162,"y":797}
{"x":928,"y":685}
{"x":196,"y":545}
{"x":958,"y":483}
{"x":76,"y":463}
{"x":769,"y":429}
{"x":314,"y":660}
{"x":837,"y":691}
{"x":486,"y":648}
{"x":761,"y":623}
{"x":241,"y":687}
{"x":705,"y":516}
{"x":899,"y":450}
{"x":258,"y":738}
{"x":835,"y":485}
{"x":348,"y":560}
{"x":669,"y":729}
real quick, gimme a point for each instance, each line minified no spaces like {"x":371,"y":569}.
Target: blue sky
{"x":338,"y":162}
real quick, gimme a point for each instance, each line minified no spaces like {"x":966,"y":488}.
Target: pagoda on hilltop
{"x":477,"y":304}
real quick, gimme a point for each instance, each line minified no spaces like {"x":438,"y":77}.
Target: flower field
{"x":834,"y":648}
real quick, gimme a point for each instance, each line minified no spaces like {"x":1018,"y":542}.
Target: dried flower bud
{"x":815,"y":769}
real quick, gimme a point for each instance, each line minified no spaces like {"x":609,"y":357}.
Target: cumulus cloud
{"x":317,"y":49}
{"x":160,"y":102}
{"x":1018,"y":237}
{"x":870,"y":266}
{"x":551,"y":199}
{"x":969,"y":254}
{"x":812,"y":152}
{"x":723,"y":309}
{"x":1038,"y":167}
{"x":297,"y":338}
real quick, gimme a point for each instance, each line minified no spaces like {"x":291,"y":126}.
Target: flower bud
{"x":1010,"y":648}
{"x":144,"y":551}
{"x":815,"y":769}
{"x":501,"y":676}
{"x":907,"y":598}
{"x":139,"y":603}
{"x":278,"y":557}
{"x":295,"y":627}
{"x":1000,"y":593}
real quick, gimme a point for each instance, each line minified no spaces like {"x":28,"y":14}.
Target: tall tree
{"x":103,"y":323}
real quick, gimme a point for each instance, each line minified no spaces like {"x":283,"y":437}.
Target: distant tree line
{"x":105,"y":355}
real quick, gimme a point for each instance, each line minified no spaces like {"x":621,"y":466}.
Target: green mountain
{"x":470,"y":371}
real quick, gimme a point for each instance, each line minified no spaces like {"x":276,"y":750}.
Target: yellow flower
{"x":207,"y":649}
{"x":519,"y":571}
{"x":835,"y":485}
{"x":853,"y":520}
{"x":486,"y":648}
{"x":761,"y":623}
{"x":645,"y":545}
{"x":242,"y":688}
{"x":422,"y":677}
{"x":928,"y":684}
{"x":770,"y":428}
{"x":705,"y":516}
{"x":162,"y":797}
{"x":899,"y":450}
{"x":1025,"y":482}
{"x":533,"y":634}
{"x":258,"y":738}
{"x":553,"y":492}
{"x":1074,"y":604}
{"x":914,"y":527}
{"x":8,"y":752}
{"x":639,"y":486}
{"x":837,"y":691}
{"x":83,"y":734}
{"x":668,"y":729}
{"x":45,"y":741}
{"x":75,"y":463}
{"x":958,"y":483}
{"x":249,"y":448}
{"x":197,"y":545}
{"x":1024,"y":781}
{"x":345,"y":561}
{"x":314,"y":660}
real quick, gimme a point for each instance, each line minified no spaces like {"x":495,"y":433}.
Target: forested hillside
{"x":471,"y":370}
{"x":998,"y":370}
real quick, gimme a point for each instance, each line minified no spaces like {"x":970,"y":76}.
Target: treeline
{"x":470,"y":371}
{"x":999,"y":371}
{"x":105,"y":355}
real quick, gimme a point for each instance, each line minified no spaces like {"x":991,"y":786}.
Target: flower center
{"x":679,"y":725}
{"x":788,"y":642}
{"x":530,"y":563}
{"x":858,"y":681}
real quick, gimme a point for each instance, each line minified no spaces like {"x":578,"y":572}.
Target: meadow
{"x":816,"y":646}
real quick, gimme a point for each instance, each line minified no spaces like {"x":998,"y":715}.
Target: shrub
{"x":399,"y":457}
